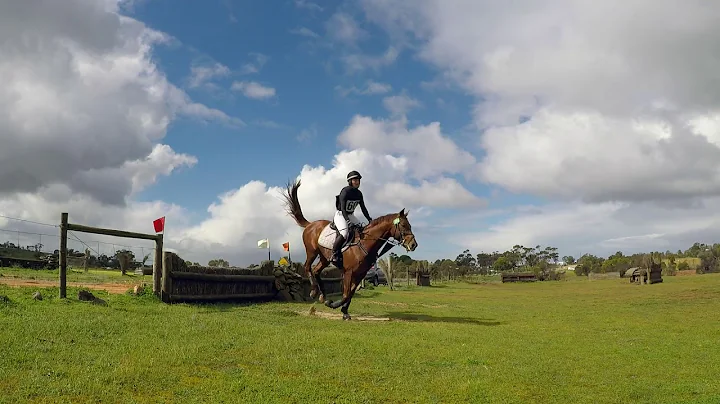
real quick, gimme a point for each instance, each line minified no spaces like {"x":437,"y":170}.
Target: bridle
{"x":390,"y":242}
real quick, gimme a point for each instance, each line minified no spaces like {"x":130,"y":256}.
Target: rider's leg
{"x":342,"y":227}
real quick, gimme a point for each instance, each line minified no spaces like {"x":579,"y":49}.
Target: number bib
{"x":351,"y":205}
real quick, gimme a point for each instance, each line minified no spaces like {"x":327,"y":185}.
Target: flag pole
{"x":268,"y":243}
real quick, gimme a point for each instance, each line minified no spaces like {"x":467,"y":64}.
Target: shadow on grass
{"x":438,"y":319}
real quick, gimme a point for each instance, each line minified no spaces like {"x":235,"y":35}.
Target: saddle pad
{"x":327,"y":238}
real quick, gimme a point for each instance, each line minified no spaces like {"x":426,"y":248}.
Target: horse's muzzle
{"x":411,"y":244}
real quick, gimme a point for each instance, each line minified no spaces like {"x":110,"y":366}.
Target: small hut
{"x":635,"y":274}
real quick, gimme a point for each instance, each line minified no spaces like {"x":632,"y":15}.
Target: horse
{"x":359,"y":252}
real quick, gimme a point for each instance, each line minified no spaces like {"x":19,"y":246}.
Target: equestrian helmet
{"x":353,"y":174}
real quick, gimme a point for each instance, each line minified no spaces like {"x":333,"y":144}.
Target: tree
{"x":465,"y":262}
{"x":503,"y":264}
{"x":484,"y":262}
{"x":386,"y":265}
{"x":218,"y":262}
{"x":569,"y":259}
{"x":588,"y":263}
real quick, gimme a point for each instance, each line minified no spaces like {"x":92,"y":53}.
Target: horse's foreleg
{"x":345,"y":306}
{"x":347,"y":286}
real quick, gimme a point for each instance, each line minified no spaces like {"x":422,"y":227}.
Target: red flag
{"x":159,"y":224}
{"x":286,"y":246}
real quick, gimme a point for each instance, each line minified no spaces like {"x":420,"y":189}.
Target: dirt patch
{"x":116,"y":288}
{"x":338,"y":316}
{"x":689,"y":272}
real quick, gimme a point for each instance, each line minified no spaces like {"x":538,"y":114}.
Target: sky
{"x":589,"y":126}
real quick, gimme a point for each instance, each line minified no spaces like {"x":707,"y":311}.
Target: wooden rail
{"x":518,"y":277}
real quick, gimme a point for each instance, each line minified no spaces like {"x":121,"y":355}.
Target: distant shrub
{"x":683,"y":266}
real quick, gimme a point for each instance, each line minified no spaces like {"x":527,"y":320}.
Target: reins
{"x":390,"y":242}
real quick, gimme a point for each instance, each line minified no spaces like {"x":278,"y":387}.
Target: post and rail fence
{"x":65,"y":226}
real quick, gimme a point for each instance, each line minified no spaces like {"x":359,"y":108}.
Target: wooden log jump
{"x":65,"y":227}
{"x":181,"y":282}
{"x":518,"y":277}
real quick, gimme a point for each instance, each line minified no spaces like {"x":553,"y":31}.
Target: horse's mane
{"x":381,"y":219}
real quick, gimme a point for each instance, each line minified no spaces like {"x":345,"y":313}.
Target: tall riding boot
{"x":337,"y":250}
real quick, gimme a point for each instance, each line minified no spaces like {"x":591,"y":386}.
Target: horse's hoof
{"x":313,"y":293}
{"x":346,"y":317}
{"x":328,"y":303}
{"x":322,"y":299}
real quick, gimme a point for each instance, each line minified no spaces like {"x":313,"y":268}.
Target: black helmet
{"x":353,"y":174}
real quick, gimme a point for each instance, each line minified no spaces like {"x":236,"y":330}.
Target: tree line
{"x":546,"y":260}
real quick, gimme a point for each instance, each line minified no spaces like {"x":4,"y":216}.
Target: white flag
{"x":264,"y":243}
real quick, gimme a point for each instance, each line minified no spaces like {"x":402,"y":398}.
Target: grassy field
{"x":94,"y":275}
{"x":572,"y":341}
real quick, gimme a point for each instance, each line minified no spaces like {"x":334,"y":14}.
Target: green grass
{"x":573,"y":341}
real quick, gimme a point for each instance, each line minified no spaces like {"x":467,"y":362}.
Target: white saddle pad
{"x":327,"y":238}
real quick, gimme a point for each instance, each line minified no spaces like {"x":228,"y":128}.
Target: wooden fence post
{"x":166,"y":277}
{"x":63,"y":255}
{"x":158,"y":264}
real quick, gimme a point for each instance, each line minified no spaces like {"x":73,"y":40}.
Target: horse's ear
{"x":402,"y":212}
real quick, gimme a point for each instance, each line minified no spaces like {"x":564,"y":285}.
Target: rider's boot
{"x":337,"y":251}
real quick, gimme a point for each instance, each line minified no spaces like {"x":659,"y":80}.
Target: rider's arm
{"x":364,"y":209}
{"x":343,"y":203}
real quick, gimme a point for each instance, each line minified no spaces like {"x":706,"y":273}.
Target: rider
{"x":345,"y":203}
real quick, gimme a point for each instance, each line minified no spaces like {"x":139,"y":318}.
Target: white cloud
{"x":308,"y":5}
{"x":371,"y":88}
{"x":400,"y":105}
{"x":308,"y":134}
{"x":358,"y":62}
{"x":162,"y":160}
{"x":82,"y":100}
{"x":304,"y":31}
{"x":343,"y":28}
{"x":202,"y":74}
{"x":253,"y":89}
{"x":602,"y":228}
{"x":591,"y":95}
{"x":443,"y":193}
{"x":430,"y":152}
{"x":256,"y":65}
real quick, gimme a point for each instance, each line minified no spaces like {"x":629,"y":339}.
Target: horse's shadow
{"x":405,"y":316}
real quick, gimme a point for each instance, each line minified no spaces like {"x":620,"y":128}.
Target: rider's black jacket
{"x":349,"y":198}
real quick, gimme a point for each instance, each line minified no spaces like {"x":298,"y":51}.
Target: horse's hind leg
{"x":315,"y":278}
{"x":308,"y":263}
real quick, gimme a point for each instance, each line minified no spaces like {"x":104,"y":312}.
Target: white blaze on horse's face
{"x":405,"y":232}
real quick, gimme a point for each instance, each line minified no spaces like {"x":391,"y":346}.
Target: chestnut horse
{"x":357,"y":259}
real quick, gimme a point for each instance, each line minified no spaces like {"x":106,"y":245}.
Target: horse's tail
{"x":292,"y":204}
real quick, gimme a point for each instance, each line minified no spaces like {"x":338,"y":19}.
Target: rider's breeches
{"x":342,"y":225}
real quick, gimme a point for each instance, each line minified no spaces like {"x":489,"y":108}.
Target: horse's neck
{"x":377,"y":235}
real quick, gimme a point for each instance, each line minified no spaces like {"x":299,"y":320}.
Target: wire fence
{"x":45,"y":238}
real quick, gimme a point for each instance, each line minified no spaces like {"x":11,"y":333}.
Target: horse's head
{"x":402,"y":231}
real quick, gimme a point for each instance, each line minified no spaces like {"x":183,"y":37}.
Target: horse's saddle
{"x":330,"y":233}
